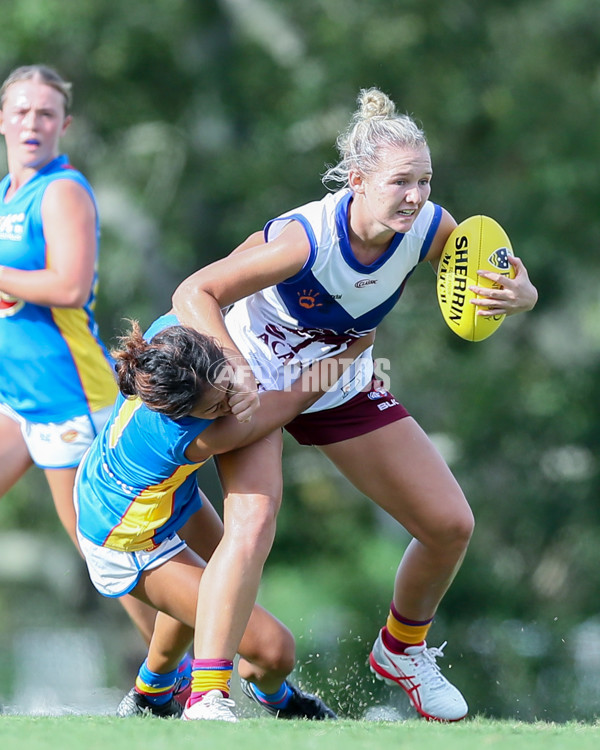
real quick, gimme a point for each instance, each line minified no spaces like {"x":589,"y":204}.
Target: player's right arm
{"x":277,"y":408}
{"x":199,"y":300}
{"x":69,"y":222}
{"x":444,"y":230}
{"x":256,"y":238}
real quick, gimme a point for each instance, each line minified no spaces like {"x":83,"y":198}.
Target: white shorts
{"x":59,"y":445}
{"x":114,"y":573}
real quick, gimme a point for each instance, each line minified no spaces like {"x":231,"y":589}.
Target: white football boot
{"x":213,"y":707}
{"x":419,"y":676}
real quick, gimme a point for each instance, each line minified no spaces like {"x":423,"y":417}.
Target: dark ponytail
{"x":171,"y":372}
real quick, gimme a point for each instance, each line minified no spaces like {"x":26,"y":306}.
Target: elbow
{"x":176,"y":298}
{"x":181,"y":295}
{"x":192,"y":299}
{"x":74,"y":297}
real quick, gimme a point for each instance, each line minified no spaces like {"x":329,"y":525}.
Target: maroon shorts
{"x":365,"y":412}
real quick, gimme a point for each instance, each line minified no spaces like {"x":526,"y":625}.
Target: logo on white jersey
{"x":309,"y":299}
{"x":364,"y":282}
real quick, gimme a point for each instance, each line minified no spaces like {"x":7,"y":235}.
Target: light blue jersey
{"x":53,"y":365}
{"x":135,"y":486}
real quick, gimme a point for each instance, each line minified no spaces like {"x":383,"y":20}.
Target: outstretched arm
{"x":277,"y":407}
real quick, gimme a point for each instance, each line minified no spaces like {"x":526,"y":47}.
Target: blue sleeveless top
{"x":53,"y":365}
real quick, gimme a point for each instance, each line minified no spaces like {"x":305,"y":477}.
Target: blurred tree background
{"x":198,"y":121}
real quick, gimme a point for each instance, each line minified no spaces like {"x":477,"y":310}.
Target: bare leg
{"x":171,"y":638}
{"x":398,"y":467}
{"x":15,"y":461}
{"x":204,"y":530}
{"x":268,"y":651}
{"x":61,"y":483}
{"x":202,"y":533}
{"x":14,"y":456}
{"x":267,"y":647}
{"x":251,"y":479}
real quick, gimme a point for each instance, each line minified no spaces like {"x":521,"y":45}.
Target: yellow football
{"x":477,"y":244}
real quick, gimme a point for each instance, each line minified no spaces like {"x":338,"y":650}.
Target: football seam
{"x":479,"y":265}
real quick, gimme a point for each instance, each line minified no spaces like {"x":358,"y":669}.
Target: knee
{"x":453,"y":532}
{"x":271,"y":659}
{"x":459,"y":530}
{"x":251,"y":520}
{"x":280,"y":653}
{"x":462,"y":530}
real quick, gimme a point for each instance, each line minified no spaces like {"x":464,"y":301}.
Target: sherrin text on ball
{"x":478,"y":243}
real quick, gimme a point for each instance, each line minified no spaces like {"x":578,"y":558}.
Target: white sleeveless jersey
{"x":333,"y":299}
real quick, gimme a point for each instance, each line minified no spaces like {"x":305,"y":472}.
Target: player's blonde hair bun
{"x":373,"y":103}
{"x":375,"y":126}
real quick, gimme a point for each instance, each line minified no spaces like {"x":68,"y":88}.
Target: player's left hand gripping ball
{"x":478,"y":243}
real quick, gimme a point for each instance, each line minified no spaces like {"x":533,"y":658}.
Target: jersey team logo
{"x":309,"y":299}
{"x":9,"y":305}
{"x":11,"y":227}
{"x":499,"y":259}
{"x":70,"y":436}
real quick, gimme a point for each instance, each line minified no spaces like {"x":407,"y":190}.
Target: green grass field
{"x":102,"y":733}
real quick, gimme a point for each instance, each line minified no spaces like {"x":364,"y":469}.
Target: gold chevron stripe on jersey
{"x":148,"y":511}
{"x":122,"y":419}
{"x":96,"y":375}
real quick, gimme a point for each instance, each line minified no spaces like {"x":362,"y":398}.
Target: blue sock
{"x":184,"y":673}
{"x":156,"y":688}
{"x":280,"y":699}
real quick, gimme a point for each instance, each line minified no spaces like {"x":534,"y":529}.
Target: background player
{"x":57,"y":386}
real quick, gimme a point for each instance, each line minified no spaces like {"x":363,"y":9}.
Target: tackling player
{"x":135,"y":490}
